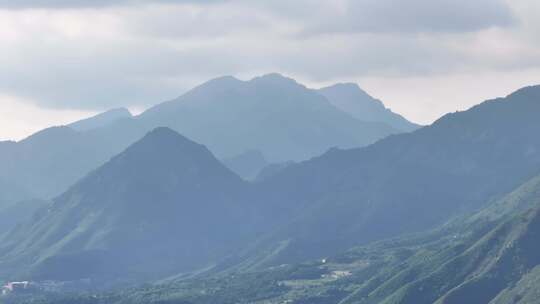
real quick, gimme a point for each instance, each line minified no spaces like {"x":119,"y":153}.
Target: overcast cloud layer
{"x":422,"y":57}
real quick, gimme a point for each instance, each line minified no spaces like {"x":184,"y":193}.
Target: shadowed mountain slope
{"x":164,"y":205}
{"x":477,"y":259}
{"x":492,"y":256}
{"x":404,"y":183}
{"x":317,"y":208}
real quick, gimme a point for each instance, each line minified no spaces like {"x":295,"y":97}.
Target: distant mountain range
{"x":447,"y":213}
{"x":273,"y":114}
{"x":167,"y":206}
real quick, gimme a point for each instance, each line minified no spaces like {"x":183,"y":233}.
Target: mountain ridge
{"x":487,"y":257}
{"x":158,"y":190}
{"x":166,"y":187}
{"x":297,"y":122}
{"x":483,"y":153}
{"x":228,"y":115}
{"x":350,"y":98}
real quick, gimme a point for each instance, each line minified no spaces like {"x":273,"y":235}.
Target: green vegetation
{"x":489,"y":257}
{"x":166,"y":211}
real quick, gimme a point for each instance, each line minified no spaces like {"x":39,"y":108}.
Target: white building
{"x":14,"y":286}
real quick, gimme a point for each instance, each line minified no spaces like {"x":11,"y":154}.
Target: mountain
{"x":402,"y":184}
{"x":247,"y":164}
{"x":349,"y":98}
{"x":491,"y":256}
{"x":163,"y":206}
{"x":272,"y":114}
{"x":378,"y":200}
{"x":309,"y":210}
{"x":478,"y":259}
{"x":100,"y":120}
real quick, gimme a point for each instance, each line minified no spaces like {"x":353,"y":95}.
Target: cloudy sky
{"x":64,"y":59}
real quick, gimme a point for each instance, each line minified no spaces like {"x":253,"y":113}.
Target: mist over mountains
{"x":265,"y":191}
{"x":272,"y":114}
{"x":350,"y":98}
{"x":160,"y":160}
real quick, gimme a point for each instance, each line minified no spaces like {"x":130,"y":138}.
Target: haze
{"x":64,"y":60}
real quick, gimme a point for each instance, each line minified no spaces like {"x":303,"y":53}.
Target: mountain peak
{"x":221,"y":82}
{"x":350,"y":98}
{"x":168,"y":144}
{"x":164,"y":152}
{"x":275,"y":79}
{"x":224,"y":79}
{"x":346,"y":86}
{"x":272,"y":76}
{"x":353,"y":91}
{"x":163,"y":158}
{"x":263,"y":105}
{"x":165,"y":134}
{"x":213,"y":86}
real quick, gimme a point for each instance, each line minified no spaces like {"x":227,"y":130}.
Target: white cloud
{"x":414,"y":16}
{"x":81,"y":4}
{"x":96,"y":55}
